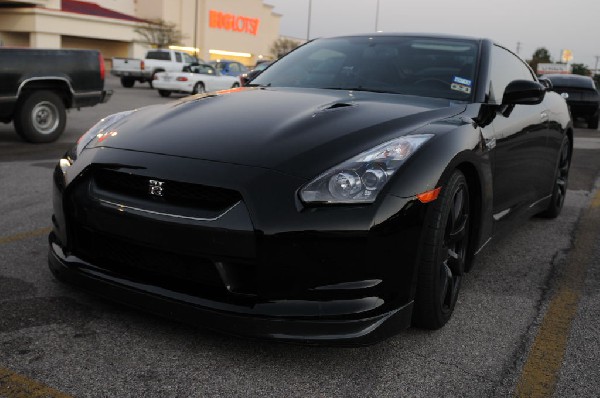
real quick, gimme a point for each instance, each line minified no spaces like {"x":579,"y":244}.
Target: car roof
{"x":414,"y":34}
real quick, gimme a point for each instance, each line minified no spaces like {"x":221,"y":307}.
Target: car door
{"x":209,"y":77}
{"x":521,"y":150}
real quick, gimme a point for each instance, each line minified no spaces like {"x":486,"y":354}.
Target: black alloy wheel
{"x":559,"y":191}
{"x":443,"y":254}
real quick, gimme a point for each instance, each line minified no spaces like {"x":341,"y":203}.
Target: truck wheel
{"x":164,"y":93}
{"x":40,"y":117}
{"x":127,"y":82}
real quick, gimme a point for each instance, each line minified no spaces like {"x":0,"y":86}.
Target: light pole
{"x":377,"y":17}
{"x":196,"y":29}
{"x":308,"y":22}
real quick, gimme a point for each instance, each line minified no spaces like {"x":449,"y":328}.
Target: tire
{"x":235,"y":85}
{"x":199,"y":88}
{"x":127,"y":82}
{"x":593,"y":122}
{"x":40,"y":117}
{"x":153,"y":76}
{"x":444,"y":254}
{"x":164,"y":93}
{"x":561,"y":180}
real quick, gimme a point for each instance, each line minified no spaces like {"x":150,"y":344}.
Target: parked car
{"x":245,"y":78}
{"x":200,"y":79}
{"x":131,"y":70}
{"x":229,"y":68}
{"x":581,"y":94}
{"x":349,"y":202}
{"x":37,"y":86}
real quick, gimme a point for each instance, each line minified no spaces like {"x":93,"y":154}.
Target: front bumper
{"x":584,"y":109}
{"x":239,"y":320}
{"x":335,"y":274}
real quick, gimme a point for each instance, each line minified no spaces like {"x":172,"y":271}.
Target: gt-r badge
{"x":155,"y":187}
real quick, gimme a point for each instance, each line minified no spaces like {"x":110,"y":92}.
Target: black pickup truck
{"x":37,"y":86}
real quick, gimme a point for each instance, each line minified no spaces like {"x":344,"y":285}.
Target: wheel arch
{"x":475,"y":186}
{"x":60,"y":86}
{"x":569,"y":133}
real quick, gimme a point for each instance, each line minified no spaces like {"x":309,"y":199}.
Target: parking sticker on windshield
{"x":462,"y":80}
{"x":461,"y":87}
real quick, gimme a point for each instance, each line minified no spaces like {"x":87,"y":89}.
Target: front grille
{"x":173,"y":192}
{"x":146,"y":264}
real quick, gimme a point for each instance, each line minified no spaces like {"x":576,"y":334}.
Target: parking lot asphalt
{"x":527,"y":321}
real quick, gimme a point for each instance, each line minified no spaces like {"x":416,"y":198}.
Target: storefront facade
{"x":241,"y":30}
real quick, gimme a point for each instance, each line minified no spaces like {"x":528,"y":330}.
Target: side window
{"x":505,"y":68}
{"x":178,"y":57}
{"x":188,"y":59}
{"x":234,"y":68}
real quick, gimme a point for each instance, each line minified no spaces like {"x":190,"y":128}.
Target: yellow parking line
{"x":25,"y":235}
{"x":13,"y":385}
{"x":596,"y":200}
{"x":542,"y":367}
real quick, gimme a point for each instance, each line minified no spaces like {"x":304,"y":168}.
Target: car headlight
{"x":361,"y":178}
{"x":99,"y":131}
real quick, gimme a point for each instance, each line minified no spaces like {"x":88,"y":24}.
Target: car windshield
{"x":572,"y":81}
{"x":423,"y":66}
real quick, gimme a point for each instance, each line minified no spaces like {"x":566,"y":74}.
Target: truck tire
{"x":40,"y":117}
{"x":127,"y":82}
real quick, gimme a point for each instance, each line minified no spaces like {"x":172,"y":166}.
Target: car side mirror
{"x":547,"y":83}
{"x":523,"y":92}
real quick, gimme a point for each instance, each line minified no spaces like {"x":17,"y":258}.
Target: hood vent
{"x":333,"y":106}
{"x":338,"y":105}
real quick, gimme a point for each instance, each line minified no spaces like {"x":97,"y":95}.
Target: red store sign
{"x":236,"y":23}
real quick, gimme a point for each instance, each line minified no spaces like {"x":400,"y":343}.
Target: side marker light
{"x":429,"y":196}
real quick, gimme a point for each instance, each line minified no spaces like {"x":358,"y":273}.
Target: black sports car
{"x":581,"y":94}
{"x":348,"y":203}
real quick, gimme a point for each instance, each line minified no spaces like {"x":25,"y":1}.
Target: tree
{"x":540,"y":56}
{"x":580,"y":69}
{"x":282,"y":46}
{"x":159,"y":33}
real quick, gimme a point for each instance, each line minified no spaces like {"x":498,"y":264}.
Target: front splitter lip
{"x":363,"y":331}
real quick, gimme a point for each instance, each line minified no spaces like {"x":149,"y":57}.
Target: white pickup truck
{"x":131,"y":70}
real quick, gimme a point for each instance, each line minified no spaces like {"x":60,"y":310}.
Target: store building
{"x":242,"y":30}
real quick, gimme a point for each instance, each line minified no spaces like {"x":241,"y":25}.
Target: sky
{"x":520,"y":25}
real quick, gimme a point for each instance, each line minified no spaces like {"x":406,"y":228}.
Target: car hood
{"x":296,"y":131}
